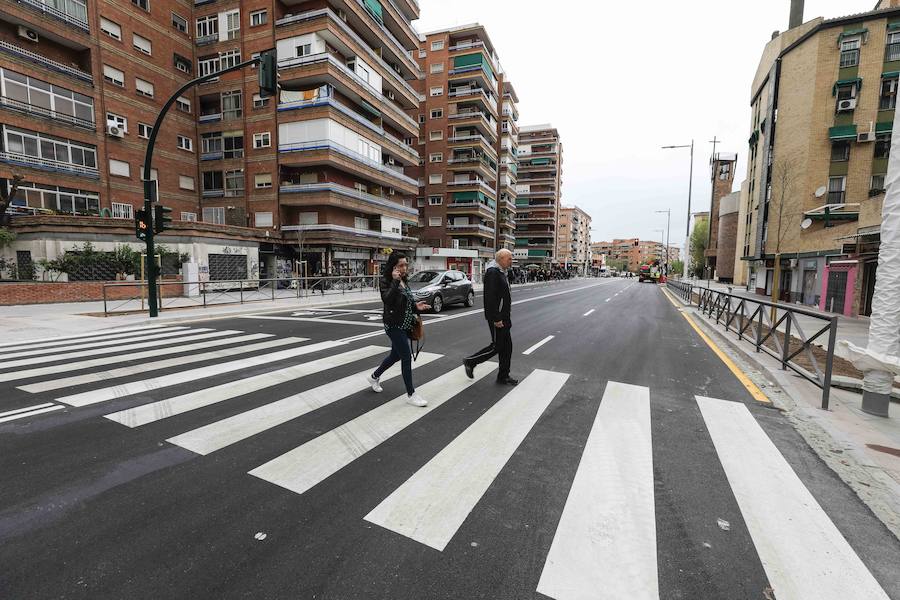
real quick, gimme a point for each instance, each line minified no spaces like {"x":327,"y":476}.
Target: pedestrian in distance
{"x":401,"y":312}
{"x":498,"y":312}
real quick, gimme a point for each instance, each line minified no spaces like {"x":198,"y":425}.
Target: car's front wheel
{"x":470,"y":299}
{"x":437,"y":303}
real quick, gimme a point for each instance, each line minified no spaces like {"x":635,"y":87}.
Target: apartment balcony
{"x":74,"y":18}
{"x":473,"y":118}
{"x":475,"y":95}
{"x":539,"y":180}
{"x":326,"y":68}
{"x":473,"y":184}
{"x":507,"y":237}
{"x":512,"y":112}
{"x":53,"y":166}
{"x":397,"y":27}
{"x":206,"y":40}
{"x":340,"y":196}
{"x":340,"y":33}
{"x":462,"y":48}
{"x":44,"y":113}
{"x":46,"y":63}
{"x":475,"y":141}
{"x":471,"y":208}
{"x":471,"y":230}
{"x":205,"y":119}
{"x":328,"y":152}
{"x":529,"y":138}
{"x":475,"y":74}
{"x":479,"y":166}
{"x":341,"y":234}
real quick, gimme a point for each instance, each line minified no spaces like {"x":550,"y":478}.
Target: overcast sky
{"x":620,"y":79}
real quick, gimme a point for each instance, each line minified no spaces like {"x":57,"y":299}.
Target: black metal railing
{"x":772,"y":328}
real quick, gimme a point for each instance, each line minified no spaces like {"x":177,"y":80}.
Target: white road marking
{"x":25,"y":409}
{"x":157,"y":411}
{"x":539,"y":344}
{"x":433,"y":503}
{"x":588,"y":313}
{"x":110,"y":341}
{"x":606,"y":537}
{"x":307,"y":465}
{"x":37,"y":343}
{"x":220,"y":434}
{"x":178,"y":361}
{"x":117,"y":350}
{"x":32,"y":413}
{"x":803,"y":553}
{"x":155,"y":383}
{"x":312,"y":320}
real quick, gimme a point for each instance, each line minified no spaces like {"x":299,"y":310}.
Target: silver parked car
{"x":440,"y":288}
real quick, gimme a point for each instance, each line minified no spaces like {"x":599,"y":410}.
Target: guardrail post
{"x":274,"y":285}
{"x":787,"y":340}
{"x":241,"y":290}
{"x":829,"y":363}
{"x":203,"y":292}
{"x":759,"y":328}
{"x":105,"y":310}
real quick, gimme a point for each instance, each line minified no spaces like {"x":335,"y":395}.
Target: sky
{"x":621,"y":79}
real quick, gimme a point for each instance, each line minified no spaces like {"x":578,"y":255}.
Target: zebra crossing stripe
{"x":39,"y":360}
{"x":218,"y":435}
{"x":112,"y":340}
{"x":68,"y":338}
{"x":178,"y":361}
{"x":157,"y":411}
{"x":803,"y":553}
{"x":606,"y":537}
{"x":31,"y":413}
{"x":432,"y":504}
{"x":305,"y":466}
{"x":155,"y":383}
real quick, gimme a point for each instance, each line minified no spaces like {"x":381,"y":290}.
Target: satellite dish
{"x":806,"y":223}
{"x":821,"y":191}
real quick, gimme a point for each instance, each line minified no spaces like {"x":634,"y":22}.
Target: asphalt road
{"x":243,"y":458}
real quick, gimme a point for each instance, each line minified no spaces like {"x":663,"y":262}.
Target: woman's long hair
{"x":393,"y":259}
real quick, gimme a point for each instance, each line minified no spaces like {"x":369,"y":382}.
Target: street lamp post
{"x":668,"y":212}
{"x":687,"y":240}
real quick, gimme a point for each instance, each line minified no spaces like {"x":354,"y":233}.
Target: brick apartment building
{"x":573,"y":247}
{"x":629,"y":253}
{"x":509,"y":166}
{"x":319,"y":167}
{"x":539,"y":190}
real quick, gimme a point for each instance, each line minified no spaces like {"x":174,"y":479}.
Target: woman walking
{"x":400,"y":314}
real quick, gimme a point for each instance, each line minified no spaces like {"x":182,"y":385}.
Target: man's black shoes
{"x":470,"y":369}
{"x":508,"y":381}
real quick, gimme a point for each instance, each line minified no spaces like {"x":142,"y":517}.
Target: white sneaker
{"x":376,"y":385}
{"x":416,"y":400}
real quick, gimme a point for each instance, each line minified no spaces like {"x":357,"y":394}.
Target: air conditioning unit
{"x":865,"y":136}
{"x":845,"y":105}
{"x":391,"y":95}
{"x":114,"y":130}
{"x":28,"y":34}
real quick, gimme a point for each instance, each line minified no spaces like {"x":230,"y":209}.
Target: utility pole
{"x":668,"y":212}
{"x":268,"y":87}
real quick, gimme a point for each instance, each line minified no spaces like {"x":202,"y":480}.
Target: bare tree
{"x":6,"y":197}
{"x":787,"y":214}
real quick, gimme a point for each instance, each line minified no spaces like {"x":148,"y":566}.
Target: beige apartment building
{"x":573,"y":246}
{"x":508,"y":151}
{"x":815,"y":179}
{"x":539,"y":192}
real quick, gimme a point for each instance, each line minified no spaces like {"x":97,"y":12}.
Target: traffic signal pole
{"x":268,"y":84}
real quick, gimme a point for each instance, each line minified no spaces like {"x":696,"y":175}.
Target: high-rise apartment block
{"x":509,"y":167}
{"x":573,"y":247}
{"x":538,"y":194}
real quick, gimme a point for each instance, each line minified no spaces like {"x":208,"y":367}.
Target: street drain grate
{"x":885,"y":449}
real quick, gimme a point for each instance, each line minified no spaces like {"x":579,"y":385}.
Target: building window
{"x":892,"y":51}
{"x":420,"y":202}
{"x":111,"y":29}
{"x":119,"y":167}
{"x":437,"y":91}
{"x":436,"y":157}
{"x":233,"y":24}
{"x":437,"y":134}
{"x":141,"y":44}
{"x":144,"y":131}
{"x":207,"y":26}
{"x":117,"y":120}
{"x":888,"y":100}
{"x":214,"y":214}
{"x":437,"y":68}
{"x":234,"y":182}
{"x":263,"y":219}
{"x":143,"y":88}
{"x":259,"y":17}
{"x":181,"y":63}
{"x":262,"y":140}
{"x":435,"y":221}
{"x":122,"y":211}
{"x":422,"y":54}
{"x":231,"y":105}
{"x":185,"y":183}
{"x":259,"y":101}
{"x":207,"y":65}
{"x":850,"y":52}
{"x":154,"y":174}
{"x":435,"y":200}
{"x":836,"y":188}
{"x":883,"y":145}
{"x":877,"y":183}
{"x":437,"y":113}
{"x":185,"y":143}
{"x":840,"y":151}
{"x":421,"y":119}
{"x":303,"y":50}
{"x":183,"y":104}
{"x":179,"y":23}
{"x":113,"y":75}
{"x":38,"y":96}
{"x":229,"y":59}
{"x":437,"y":45}
{"x":262,"y":181}
{"x":233,"y":143}
{"x":189,"y":216}
{"x":145,"y":4}
{"x":435,"y":178}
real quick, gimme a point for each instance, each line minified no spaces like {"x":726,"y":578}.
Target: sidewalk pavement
{"x":862,"y":449}
{"x":37,"y":321}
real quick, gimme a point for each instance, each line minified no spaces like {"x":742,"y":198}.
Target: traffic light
{"x":161,"y":218}
{"x":140,"y":224}
{"x":268,"y":74}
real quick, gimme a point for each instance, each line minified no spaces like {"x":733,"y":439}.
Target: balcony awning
{"x":852,"y":33}
{"x":844,"y":82}
{"x":890,"y":74}
{"x":884,"y":127}
{"x":374,"y":7}
{"x":842,"y":132}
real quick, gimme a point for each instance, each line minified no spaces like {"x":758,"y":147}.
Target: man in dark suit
{"x":497,"y":311}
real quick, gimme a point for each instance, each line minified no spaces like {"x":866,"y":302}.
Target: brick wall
{"x":83,"y":291}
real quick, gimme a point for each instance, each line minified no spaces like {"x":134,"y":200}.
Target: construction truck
{"x":650,"y":272}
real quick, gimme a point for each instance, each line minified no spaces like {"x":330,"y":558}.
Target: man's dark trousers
{"x":501,"y":345}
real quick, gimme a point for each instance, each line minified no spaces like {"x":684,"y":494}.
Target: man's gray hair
{"x":503,"y":252}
